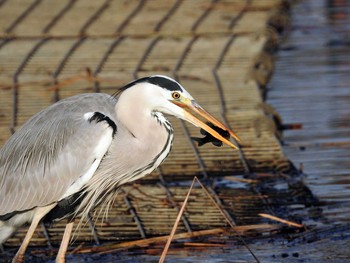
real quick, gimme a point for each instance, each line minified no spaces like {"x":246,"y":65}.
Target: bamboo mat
{"x":220,"y":51}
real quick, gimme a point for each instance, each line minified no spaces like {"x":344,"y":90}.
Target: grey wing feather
{"x":50,"y":152}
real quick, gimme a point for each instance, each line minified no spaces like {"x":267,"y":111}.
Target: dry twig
{"x":162,"y":257}
{"x":281,"y":220}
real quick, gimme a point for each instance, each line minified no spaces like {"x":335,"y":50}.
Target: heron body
{"x":73,"y":155}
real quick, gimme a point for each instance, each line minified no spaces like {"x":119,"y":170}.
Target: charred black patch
{"x":8,"y":216}
{"x":163,"y":82}
{"x":99,"y":117}
{"x":65,"y":208}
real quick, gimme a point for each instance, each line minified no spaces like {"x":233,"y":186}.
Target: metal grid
{"x":50,"y":50}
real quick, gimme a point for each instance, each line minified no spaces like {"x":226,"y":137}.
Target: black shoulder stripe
{"x":98,"y":117}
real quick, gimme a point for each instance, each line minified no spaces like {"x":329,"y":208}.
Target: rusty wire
{"x":58,"y":16}
{"x":218,"y":85}
{"x":2,"y":2}
{"x":203,"y":16}
{"x":171,"y":11}
{"x":15,"y":81}
{"x":240,"y":14}
{"x":61,"y":65}
{"x":22,"y":16}
{"x":134,"y":214}
{"x":132,"y":14}
{"x":103,"y":61}
{"x":92,"y":19}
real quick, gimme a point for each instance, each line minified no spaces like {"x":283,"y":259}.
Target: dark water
{"x":311,"y":86}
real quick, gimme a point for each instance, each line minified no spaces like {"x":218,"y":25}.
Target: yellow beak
{"x":195,"y":107}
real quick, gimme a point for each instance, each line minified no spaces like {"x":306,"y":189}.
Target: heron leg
{"x":61,"y":255}
{"x":39,"y":214}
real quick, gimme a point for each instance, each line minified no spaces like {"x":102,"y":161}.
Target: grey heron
{"x":73,"y":155}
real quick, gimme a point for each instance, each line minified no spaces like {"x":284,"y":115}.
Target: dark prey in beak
{"x":209,"y":138}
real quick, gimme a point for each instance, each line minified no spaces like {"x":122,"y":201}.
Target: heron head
{"x":180,"y":103}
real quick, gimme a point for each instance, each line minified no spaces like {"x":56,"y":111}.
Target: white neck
{"x":134,"y":110}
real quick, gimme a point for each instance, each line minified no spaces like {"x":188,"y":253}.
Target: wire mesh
{"x":207,"y":45}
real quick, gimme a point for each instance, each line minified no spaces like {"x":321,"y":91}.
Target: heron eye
{"x":176,"y":95}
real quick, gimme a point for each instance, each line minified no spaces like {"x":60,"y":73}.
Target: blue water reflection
{"x":311,"y":86}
